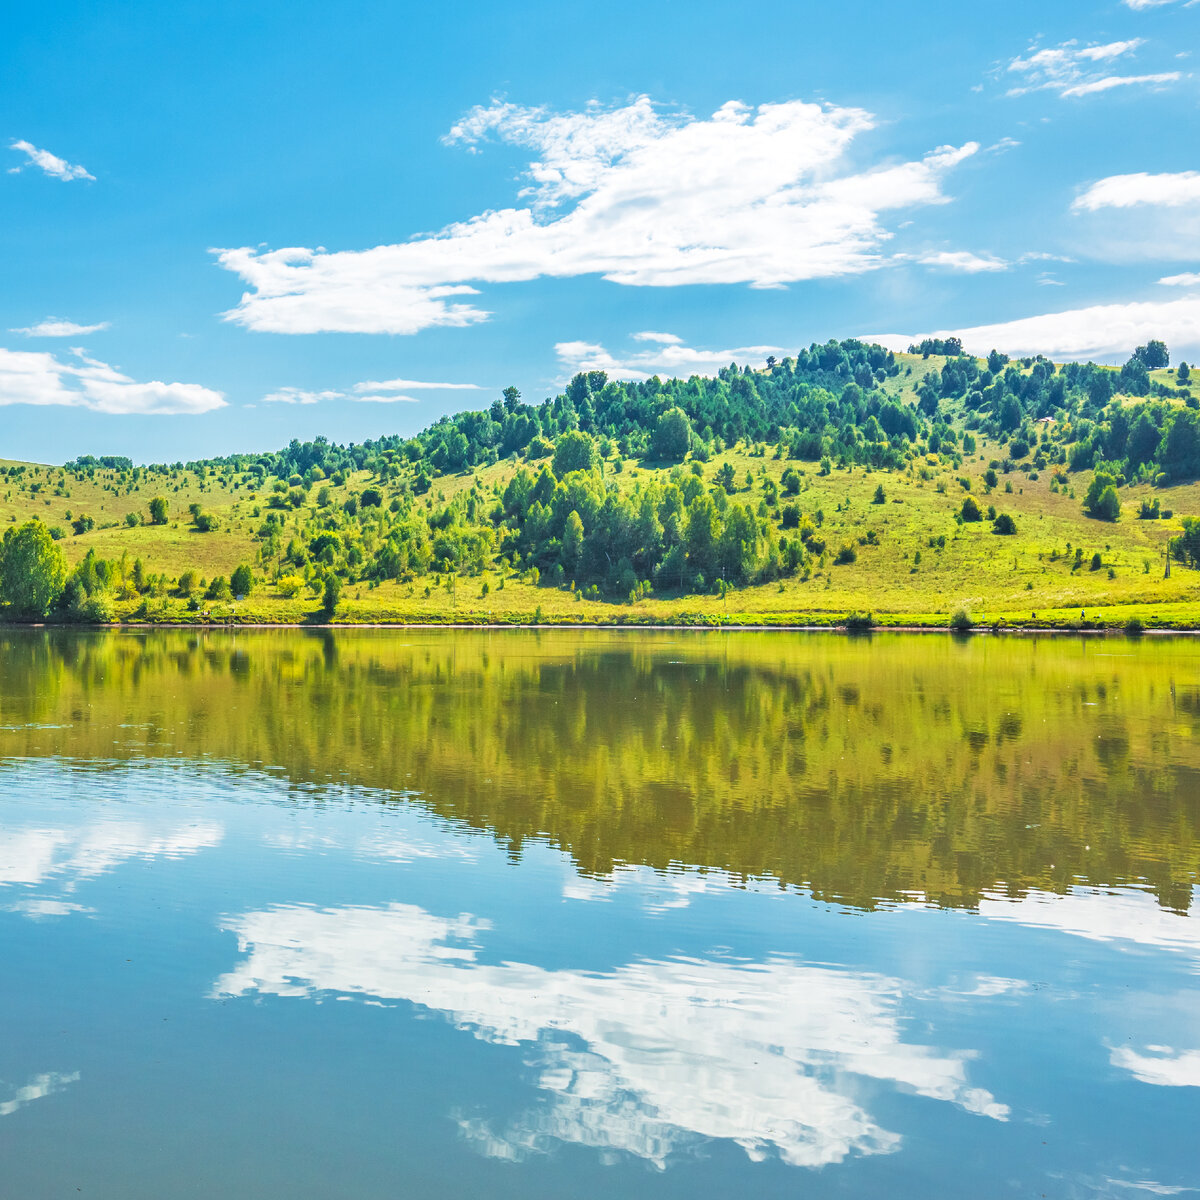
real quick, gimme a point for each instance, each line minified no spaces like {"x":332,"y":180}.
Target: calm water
{"x":445,"y":914}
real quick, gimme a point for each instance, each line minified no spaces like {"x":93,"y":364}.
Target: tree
{"x":1004,"y":524}
{"x":970,"y":510}
{"x":575,"y":451}
{"x":672,"y":435}
{"x":33,"y":571}
{"x":333,"y":592}
{"x":241,"y":582}
{"x":1102,"y":501}
{"x":880,"y":496}
{"x":791,"y":482}
{"x":1154,"y":355}
{"x":158,"y":510}
{"x":572,"y":540}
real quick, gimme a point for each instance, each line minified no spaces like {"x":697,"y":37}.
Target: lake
{"x":429,"y":913}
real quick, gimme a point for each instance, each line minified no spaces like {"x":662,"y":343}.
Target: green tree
{"x":970,"y":510}
{"x":241,"y":582}
{"x":158,"y":510}
{"x":33,"y":571}
{"x":574,"y":451}
{"x":572,"y":540}
{"x":332,"y":593}
{"x":1102,"y":500}
{"x":672,"y":435}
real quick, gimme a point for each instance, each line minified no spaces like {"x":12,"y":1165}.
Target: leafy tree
{"x":880,"y":496}
{"x":241,"y":582}
{"x":575,"y":451}
{"x":970,"y":510}
{"x":33,"y":571}
{"x":572,"y":541}
{"x":1102,"y":500}
{"x":158,"y":510}
{"x":791,"y":482}
{"x":1153,"y":355}
{"x":332,"y":593}
{"x":672,"y":435}
{"x":1004,"y":524}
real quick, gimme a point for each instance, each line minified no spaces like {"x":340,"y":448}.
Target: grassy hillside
{"x":907,"y":557}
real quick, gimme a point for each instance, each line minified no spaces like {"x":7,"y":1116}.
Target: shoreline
{"x":979,"y":629}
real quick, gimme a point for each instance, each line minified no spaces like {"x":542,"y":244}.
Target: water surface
{"x":422,"y":913}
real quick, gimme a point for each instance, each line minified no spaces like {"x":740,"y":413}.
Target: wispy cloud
{"x":412,"y":385}
{"x":50,"y":164}
{"x":1124,"y":191}
{"x":37,"y":377}
{"x":1073,"y":70}
{"x":760,"y":196}
{"x":291,"y":395}
{"x":1100,"y":331}
{"x":667,"y":358}
{"x":963,"y":260}
{"x":1187,"y":279}
{"x":56,"y":327}
{"x":39,"y":1087}
{"x":395,"y":398}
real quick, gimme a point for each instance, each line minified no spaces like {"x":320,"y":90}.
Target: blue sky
{"x":224,"y":225}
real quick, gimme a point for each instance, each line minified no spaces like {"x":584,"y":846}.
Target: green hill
{"x":845,"y":480}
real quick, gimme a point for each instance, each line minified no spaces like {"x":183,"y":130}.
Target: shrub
{"x":846,"y":553}
{"x":1004,"y":525}
{"x":859,"y":622}
{"x":970,"y":510}
{"x":206,"y":522}
{"x":961,"y":620}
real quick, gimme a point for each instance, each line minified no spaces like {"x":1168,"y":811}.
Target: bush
{"x":206,"y":522}
{"x":846,"y":554}
{"x":970,"y":510}
{"x":961,"y":620}
{"x":1004,"y":525}
{"x":859,"y":622}
{"x":158,"y":510}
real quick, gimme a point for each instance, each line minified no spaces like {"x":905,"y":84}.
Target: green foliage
{"x":159,"y":508}
{"x":332,"y":593}
{"x":1005,"y":525}
{"x":33,"y":571}
{"x":961,"y":620}
{"x":1102,"y":500}
{"x":575,"y":451}
{"x":672,"y":435}
{"x":241,"y":582}
{"x":970,"y":510}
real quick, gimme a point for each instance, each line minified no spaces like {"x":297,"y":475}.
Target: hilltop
{"x":848,"y":479}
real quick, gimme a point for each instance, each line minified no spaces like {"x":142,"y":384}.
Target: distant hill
{"x":848,"y":478}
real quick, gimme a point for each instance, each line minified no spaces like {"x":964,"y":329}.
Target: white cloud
{"x":1188,"y":279}
{"x":1072,"y":70}
{"x":37,"y":377}
{"x":963,"y":260}
{"x":671,"y":358}
{"x":394,"y":398}
{"x":55,"y":327}
{"x":409,"y":385}
{"x":56,"y":859}
{"x":1128,"y":916}
{"x":1101,"y":331}
{"x":1142,"y":5}
{"x":643,"y":198}
{"x":646,"y":1058}
{"x":666,"y":339}
{"x":1124,"y":191}
{"x":37,"y":1088}
{"x":49,"y":163}
{"x":291,"y":395}
{"x":1162,"y":1066}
